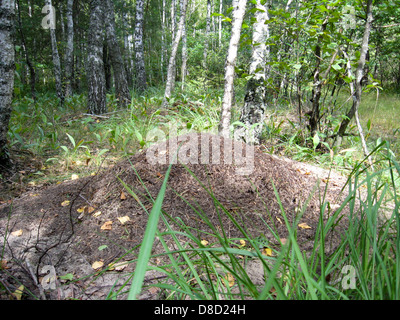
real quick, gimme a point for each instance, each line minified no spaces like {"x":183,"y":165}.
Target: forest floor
{"x":81,"y":226}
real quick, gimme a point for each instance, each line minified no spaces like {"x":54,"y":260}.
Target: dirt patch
{"x":225,"y":179}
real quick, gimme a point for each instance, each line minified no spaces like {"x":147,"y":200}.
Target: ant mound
{"x":217,"y":189}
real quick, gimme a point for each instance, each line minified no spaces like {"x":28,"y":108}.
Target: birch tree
{"x":120,"y":78}
{"x":69,"y":51}
{"x":253,"y":111}
{"x":95,"y":65}
{"x":55,"y":55}
{"x":356,"y":85}
{"x":207,"y":35}
{"x":139,"y":48}
{"x":239,"y":7}
{"x":174,"y":50}
{"x":7,"y":66}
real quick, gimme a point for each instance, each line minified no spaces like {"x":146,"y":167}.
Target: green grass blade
{"x":147,"y":244}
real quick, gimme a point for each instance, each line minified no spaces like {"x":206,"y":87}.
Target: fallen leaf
{"x":119,"y":266}
{"x":17,"y":233}
{"x":242,"y":243}
{"x":304,"y":226}
{"x":273,"y":292}
{"x":96,"y":214}
{"x":267,"y":252}
{"x":97,"y":265}
{"x":65,"y":203}
{"x":154,"y":290}
{"x":283,"y":241}
{"x":82,"y":209}
{"x":3,"y":265}
{"x":91,"y":209}
{"x":107,"y":225}
{"x":204,"y":242}
{"x":123,"y":196}
{"x":123,"y":220}
{"x":18,"y":293}
{"x":74,"y":177}
{"x":231,"y":280}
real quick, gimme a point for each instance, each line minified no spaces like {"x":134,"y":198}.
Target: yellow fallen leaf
{"x":107,"y":225}
{"x":65,"y":203}
{"x":91,"y":209}
{"x":231,"y":280}
{"x":267,"y":252}
{"x":204,"y":242}
{"x":304,"y":226}
{"x":123,"y":220}
{"x":119,"y":266}
{"x":17,"y":233}
{"x":242,"y":243}
{"x":96,"y":214}
{"x":18,"y":293}
{"x":74,"y":177}
{"x":81,"y":209}
{"x":97,"y":265}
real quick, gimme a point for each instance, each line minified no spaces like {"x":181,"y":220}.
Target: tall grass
{"x":365,"y":265}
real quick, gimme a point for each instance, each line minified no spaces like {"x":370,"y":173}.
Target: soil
{"x":54,"y":232}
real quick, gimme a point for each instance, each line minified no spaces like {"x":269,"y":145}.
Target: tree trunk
{"x":207,"y":35}
{"x":139,"y":48}
{"x":95,"y":66}
{"x":358,"y":77}
{"x":69,"y":51}
{"x":56,"y":58}
{"x":238,"y":14}
{"x":32,"y":72}
{"x":163,"y":50}
{"x":316,"y":93}
{"x":114,"y":52}
{"x":7,"y":67}
{"x":220,"y":24}
{"x":128,"y":49}
{"x":254,"y":108}
{"x":184,"y":57}
{"x":174,"y":50}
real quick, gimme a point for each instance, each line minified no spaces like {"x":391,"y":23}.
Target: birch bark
{"x":174,"y":50}
{"x":114,"y":51}
{"x":56,"y":57}
{"x":255,"y":104}
{"x":7,"y":67}
{"x":139,"y":48}
{"x":69,"y":51}
{"x":95,"y":65}
{"x":238,"y":14}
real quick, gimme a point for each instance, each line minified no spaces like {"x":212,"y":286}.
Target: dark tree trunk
{"x":115,"y":56}
{"x":7,"y":67}
{"x":69,"y":52}
{"x":95,"y":67}
{"x":32,"y":72}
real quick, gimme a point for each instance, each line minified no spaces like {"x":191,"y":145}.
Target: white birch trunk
{"x":255,"y":104}
{"x":69,"y":51}
{"x":95,"y":66}
{"x":7,"y":67}
{"x":56,"y":59}
{"x":174,"y":50}
{"x":207,"y":34}
{"x":238,"y":14}
{"x":139,"y":48}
